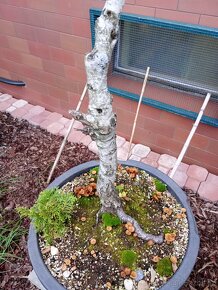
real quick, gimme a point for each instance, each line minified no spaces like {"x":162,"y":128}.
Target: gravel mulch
{"x":26,"y":156}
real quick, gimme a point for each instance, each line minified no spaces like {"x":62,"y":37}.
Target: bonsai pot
{"x":185,"y":268}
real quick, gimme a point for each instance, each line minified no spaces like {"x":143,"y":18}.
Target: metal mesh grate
{"x":178,"y":58}
{"x":183,"y":64}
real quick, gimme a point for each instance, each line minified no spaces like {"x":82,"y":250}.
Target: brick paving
{"x":192,"y":176}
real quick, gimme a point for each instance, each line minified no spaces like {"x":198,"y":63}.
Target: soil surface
{"x":26,"y":156}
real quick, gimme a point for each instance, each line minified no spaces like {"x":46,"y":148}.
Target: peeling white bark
{"x":100,"y":122}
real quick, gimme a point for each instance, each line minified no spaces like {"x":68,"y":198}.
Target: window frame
{"x":201,"y":30}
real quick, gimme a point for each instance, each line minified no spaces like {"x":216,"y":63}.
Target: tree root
{"x":138,"y":230}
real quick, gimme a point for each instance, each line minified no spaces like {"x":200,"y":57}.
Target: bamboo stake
{"x":66,"y":135}
{"x":137,"y":111}
{"x":191,"y":134}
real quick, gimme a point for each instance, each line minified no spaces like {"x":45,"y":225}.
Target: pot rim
{"x":184,"y":270}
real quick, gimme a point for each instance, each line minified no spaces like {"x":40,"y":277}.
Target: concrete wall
{"x":43,"y":43}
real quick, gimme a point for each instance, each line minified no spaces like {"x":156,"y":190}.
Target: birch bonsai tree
{"x":100,"y":121}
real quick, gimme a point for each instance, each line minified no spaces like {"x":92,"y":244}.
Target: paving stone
{"x":20,"y":103}
{"x":46,"y":123}
{"x":86,"y":140}
{"x":64,"y":121}
{"x":122,"y":154}
{"x":36,"y":110}
{"x":77,"y":125}
{"x":93,"y":147}
{"x":141,"y":150}
{"x":192,"y":184}
{"x":75,"y":136}
{"x":150,"y":162}
{"x":183,"y":167}
{"x":19,"y":113}
{"x":5,"y":97}
{"x":4,"y":106}
{"x":125,"y":146}
{"x":38,"y":119}
{"x":55,"y":117}
{"x":63,"y":132}
{"x":151,"y":159}
{"x":197,"y":172}
{"x":209,"y":190}
{"x":55,"y":128}
{"x":167,"y":161}
{"x":134,"y":157}
{"x":120,"y":141}
{"x":163,"y":169}
{"x":180,"y":178}
{"x":212,"y":178}
{"x":10,"y":109}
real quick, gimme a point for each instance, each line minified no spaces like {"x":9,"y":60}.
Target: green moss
{"x":128,"y":258}
{"x":164,"y":267}
{"x":94,"y":169}
{"x":120,"y":187}
{"x":110,"y":220}
{"x":160,"y":186}
{"x":115,"y":242}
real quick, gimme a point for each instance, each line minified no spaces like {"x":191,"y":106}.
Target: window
{"x":183,"y":59}
{"x":178,"y":58}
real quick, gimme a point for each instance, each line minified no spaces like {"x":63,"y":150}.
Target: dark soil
{"x":26,"y":156}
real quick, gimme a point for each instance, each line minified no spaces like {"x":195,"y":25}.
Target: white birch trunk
{"x":100,"y":121}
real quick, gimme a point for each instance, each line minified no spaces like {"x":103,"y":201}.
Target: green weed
{"x":9,"y":236}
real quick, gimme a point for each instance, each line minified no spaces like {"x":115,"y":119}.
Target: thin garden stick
{"x":137,"y":111}
{"x":66,"y":136}
{"x":191,"y":134}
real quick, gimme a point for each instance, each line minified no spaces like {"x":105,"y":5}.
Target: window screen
{"x":177,"y":58}
{"x":183,"y":60}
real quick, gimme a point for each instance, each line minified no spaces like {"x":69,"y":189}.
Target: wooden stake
{"x":66,"y":136}
{"x":137,"y":111}
{"x":188,"y":140}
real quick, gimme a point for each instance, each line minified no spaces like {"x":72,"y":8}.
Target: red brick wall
{"x":43,"y":43}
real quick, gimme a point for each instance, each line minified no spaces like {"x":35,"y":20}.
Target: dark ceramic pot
{"x":181,"y":275}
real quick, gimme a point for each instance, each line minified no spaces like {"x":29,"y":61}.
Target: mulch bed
{"x":26,"y":156}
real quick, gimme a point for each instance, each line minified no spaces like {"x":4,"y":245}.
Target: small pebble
{"x":139,"y":275}
{"x":66,"y":274}
{"x":93,"y":241}
{"x":54,"y":251}
{"x":108,"y":285}
{"x":153,"y":275}
{"x":150,"y":243}
{"x":128,"y":284}
{"x":143,"y":285}
{"x":67,"y":262}
{"x":133,"y":274}
{"x":73,"y":257}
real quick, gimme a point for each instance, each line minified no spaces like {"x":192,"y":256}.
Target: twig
{"x":205,"y":266}
{"x":137,"y":111}
{"x":66,"y":136}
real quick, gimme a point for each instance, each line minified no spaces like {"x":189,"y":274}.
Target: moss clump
{"x":110,"y":220}
{"x":164,"y":267}
{"x":160,"y":186}
{"x":94,"y":170}
{"x":51,"y":213}
{"x":128,"y":258}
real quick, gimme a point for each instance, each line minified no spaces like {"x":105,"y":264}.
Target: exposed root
{"x":97,"y":216}
{"x":138,"y":230}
